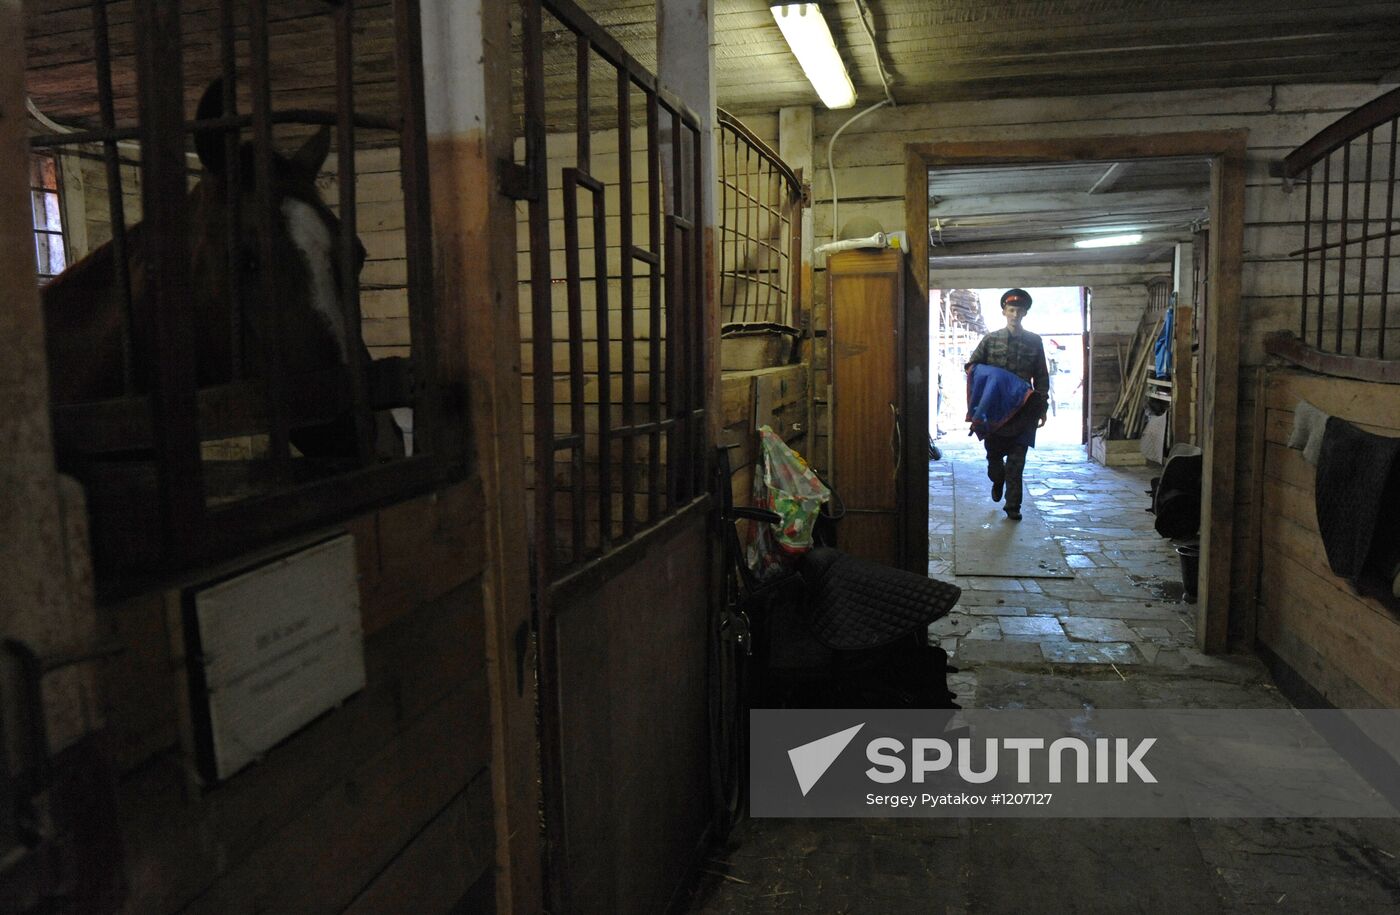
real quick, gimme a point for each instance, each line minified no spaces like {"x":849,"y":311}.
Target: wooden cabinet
{"x":879,"y":422}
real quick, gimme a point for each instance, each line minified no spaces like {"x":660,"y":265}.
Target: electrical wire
{"x":867,"y":20}
{"x":831,"y":169}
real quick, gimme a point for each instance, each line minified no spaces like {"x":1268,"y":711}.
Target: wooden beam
{"x":1044,"y":245}
{"x":1127,"y":201}
{"x":1287,"y":346}
{"x":1219,"y":395}
{"x":1111,"y":176}
{"x":466,"y":50}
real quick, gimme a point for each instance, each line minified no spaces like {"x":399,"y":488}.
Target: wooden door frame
{"x":1086,"y":378}
{"x":1219,"y":393}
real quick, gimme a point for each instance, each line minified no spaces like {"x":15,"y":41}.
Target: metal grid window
{"x":1349,"y":227}
{"x":614,"y":301}
{"x":46,"y":202}
{"x":760,"y":230}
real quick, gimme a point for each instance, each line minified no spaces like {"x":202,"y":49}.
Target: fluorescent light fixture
{"x":806,"y":33}
{"x":1110,"y":241}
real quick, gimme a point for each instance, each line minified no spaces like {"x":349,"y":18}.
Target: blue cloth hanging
{"x":1162,"y":355}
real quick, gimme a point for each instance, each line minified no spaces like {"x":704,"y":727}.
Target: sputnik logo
{"x":811,"y":760}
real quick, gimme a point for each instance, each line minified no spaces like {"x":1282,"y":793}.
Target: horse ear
{"x":313,"y":152}
{"x":210,"y":143}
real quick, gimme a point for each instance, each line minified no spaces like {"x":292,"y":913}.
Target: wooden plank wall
{"x":383,"y":803}
{"x":87,"y":216}
{"x":870,"y":161}
{"x":635,"y":759}
{"x":775,"y":397}
{"x":1346,"y":646}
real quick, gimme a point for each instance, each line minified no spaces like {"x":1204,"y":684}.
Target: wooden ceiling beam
{"x":1068,"y":201}
{"x":1044,"y":245}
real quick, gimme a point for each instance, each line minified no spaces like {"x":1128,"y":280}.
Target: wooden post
{"x":685,"y":50}
{"x":45,"y":573}
{"x":1183,"y":380}
{"x":1219,"y":396}
{"x":795,"y":141}
{"x":466,"y":48}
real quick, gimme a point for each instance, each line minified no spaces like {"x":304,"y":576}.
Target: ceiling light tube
{"x":1109,"y":241}
{"x":810,"y":39}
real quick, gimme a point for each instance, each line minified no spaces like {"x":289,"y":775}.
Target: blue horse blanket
{"x":994,"y":397}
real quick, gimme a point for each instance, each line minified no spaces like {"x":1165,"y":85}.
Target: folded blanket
{"x":1357,"y":491}
{"x":857,"y":604}
{"x":996,"y":399}
{"x":1309,"y":423}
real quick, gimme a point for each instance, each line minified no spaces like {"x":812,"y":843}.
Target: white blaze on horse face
{"x":312,"y":238}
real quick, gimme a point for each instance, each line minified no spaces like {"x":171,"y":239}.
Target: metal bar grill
{"x":654,"y":207}
{"x":1389,"y":221}
{"x":169,"y":309}
{"x":628,"y":254}
{"x":346,"y":263}
{"x":164,"y":325}
{"x":434,"y":438}
{"x":759,"y":235}
{"x":631,"y":331}
{"x":233,"y":199}
{"x":116,"y":207}
{"x":269,"y":320}
{"x":1346,"y":272}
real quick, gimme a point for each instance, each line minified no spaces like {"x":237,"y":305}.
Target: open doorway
{"x":1019,"y":237}
{"x":958,"y":318}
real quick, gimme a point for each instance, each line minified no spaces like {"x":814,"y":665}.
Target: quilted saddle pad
{"x":857,"y":604}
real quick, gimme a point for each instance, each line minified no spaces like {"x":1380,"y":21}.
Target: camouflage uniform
{"x":1022,"y":354}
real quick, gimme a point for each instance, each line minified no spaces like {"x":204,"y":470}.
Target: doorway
{"x":957,"y":320}
{"x":1217,"y":392}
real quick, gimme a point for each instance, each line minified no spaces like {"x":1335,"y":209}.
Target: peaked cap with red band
{"x":1016,"y":297}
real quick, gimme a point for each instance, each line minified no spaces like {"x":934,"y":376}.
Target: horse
{"x":83,"y":306}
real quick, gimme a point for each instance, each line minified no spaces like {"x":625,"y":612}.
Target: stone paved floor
{"x":1115,"y":636}
{"x":1123,"y":607}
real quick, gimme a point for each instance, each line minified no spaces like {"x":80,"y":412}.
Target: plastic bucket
{"x":1190,"y":555}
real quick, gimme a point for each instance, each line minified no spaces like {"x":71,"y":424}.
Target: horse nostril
{"x":360,"y":255}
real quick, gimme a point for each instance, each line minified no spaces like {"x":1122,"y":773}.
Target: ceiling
{"x":942,"y":50}
{"x":1014,"y":216}
{"x":938,"y":50}
{"x":932,"y":50}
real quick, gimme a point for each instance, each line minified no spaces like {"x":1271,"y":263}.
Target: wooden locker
{"x":866,"y":295}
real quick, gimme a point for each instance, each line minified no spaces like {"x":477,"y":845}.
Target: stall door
{"x":615,"y":369}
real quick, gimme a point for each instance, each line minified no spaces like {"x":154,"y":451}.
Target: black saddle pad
{"x":1358,"y":481}
{"x":856,"y":604}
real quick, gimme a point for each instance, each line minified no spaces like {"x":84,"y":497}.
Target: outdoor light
{"x":806,"y":33}
{"x":1110,"y":241}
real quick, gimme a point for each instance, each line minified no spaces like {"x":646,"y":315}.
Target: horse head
{"x":304,"y":269}
{"x":230,"y":278}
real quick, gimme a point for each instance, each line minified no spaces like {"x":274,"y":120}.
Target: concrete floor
{"x":1115,"y":636}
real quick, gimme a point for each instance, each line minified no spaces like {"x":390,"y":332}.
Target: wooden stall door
{"x":866,"y":295}
{"x":622,"y":361}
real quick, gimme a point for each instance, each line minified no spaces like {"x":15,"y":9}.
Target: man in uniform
{"x":1023,"y":354}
